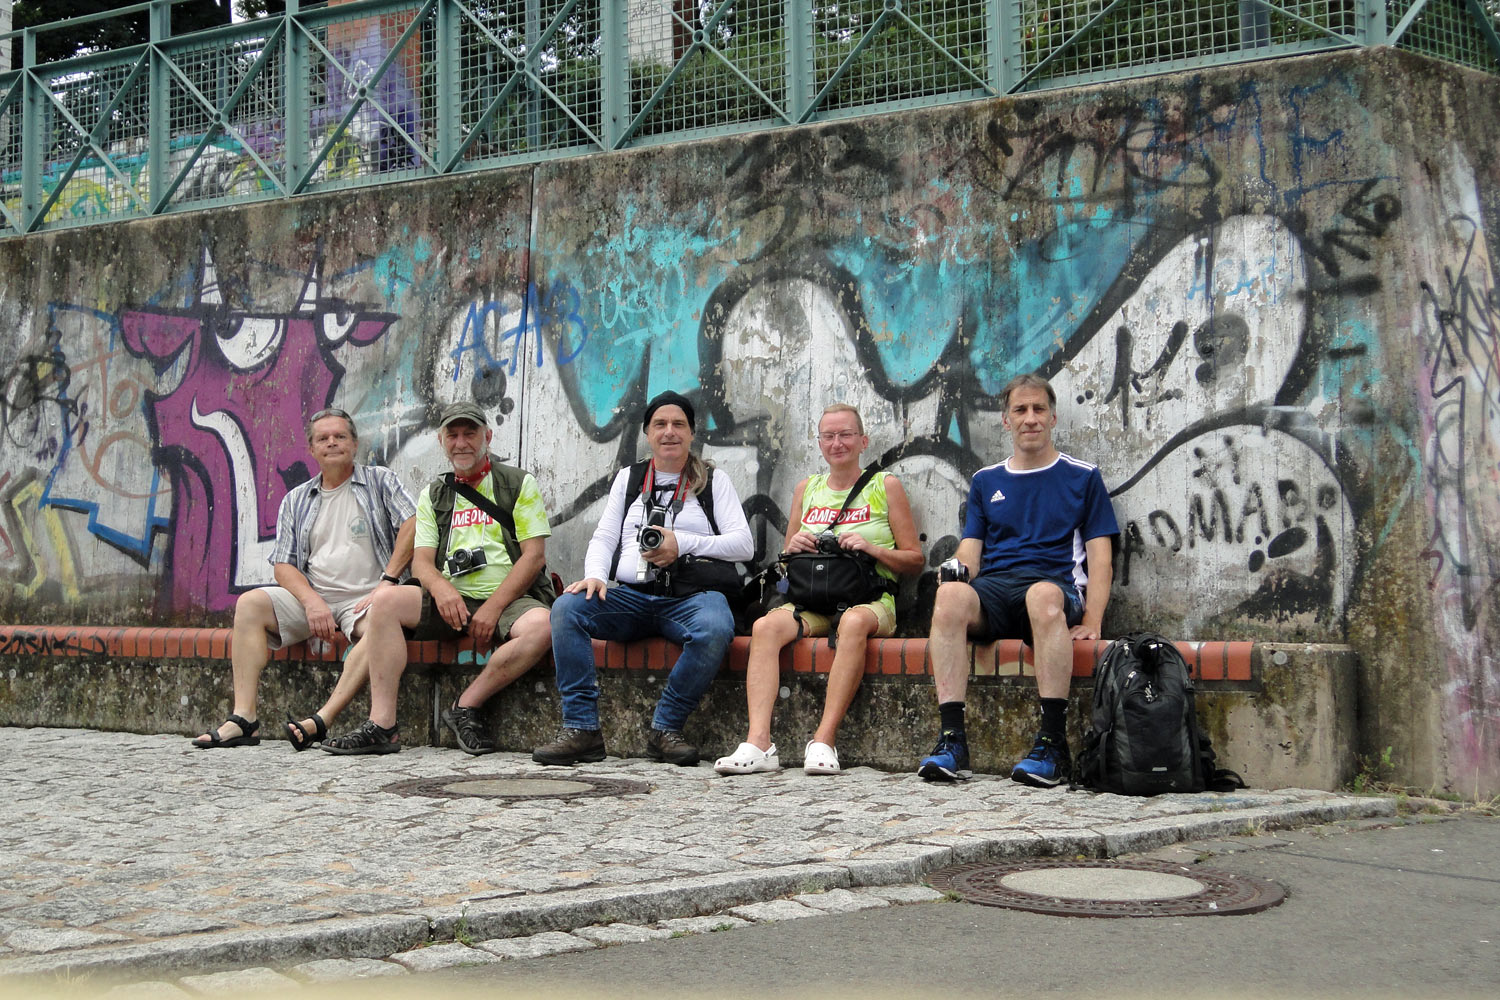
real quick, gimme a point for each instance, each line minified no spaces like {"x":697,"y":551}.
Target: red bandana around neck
{"x":476,"y":477}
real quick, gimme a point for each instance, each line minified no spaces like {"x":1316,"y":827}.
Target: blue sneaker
{"x":949,"y":760}
{"x":1048,"y":765}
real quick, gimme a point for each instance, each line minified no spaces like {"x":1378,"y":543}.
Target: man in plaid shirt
{"x":340,"y":537}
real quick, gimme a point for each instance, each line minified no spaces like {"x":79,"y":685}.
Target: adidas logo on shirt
{"x":997,"y":497}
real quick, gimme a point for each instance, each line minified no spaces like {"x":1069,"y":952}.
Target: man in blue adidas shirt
{"x":1038,"y":538}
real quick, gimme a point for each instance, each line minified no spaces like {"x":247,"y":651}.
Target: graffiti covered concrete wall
{"x":1266,"y":297}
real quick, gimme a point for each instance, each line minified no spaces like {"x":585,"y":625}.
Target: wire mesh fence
{"x":1449,"y":29}
{"x":699,"y":66}
{"x":370,"y":91}
{"x":873,"y":53}
{"x":528,"y":78}
{"x":224,"y":118}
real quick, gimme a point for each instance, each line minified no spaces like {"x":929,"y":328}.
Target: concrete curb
{"x":358,"y":937}
{"x":695,"y":896}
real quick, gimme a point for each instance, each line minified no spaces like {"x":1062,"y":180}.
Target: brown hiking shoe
{"x":572,"y":746}
{"x":671,"y":748}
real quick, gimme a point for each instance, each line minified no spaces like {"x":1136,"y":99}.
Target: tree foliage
{"x":259,"y":8}
{"x":110,"y":33}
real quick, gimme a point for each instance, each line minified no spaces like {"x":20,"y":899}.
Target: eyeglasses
{"x":828,"y":437}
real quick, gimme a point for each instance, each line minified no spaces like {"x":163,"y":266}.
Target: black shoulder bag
{"x":833,"y":579}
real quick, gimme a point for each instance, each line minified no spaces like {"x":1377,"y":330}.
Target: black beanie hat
{"x":668,"y":398}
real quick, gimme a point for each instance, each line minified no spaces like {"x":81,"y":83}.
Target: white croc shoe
{"x":748,"y":759}
{"x":820,"y":758}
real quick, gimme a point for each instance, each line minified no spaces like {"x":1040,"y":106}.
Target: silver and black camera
{"x":953,"y":571}
{"x":462,"y":561}
{"x":649,"y":536}
{"x":828,"y":543}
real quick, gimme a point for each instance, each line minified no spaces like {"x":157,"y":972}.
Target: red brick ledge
{"x":1210,"y":661}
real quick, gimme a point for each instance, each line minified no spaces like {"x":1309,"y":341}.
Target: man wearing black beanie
{"x":670,"y":533}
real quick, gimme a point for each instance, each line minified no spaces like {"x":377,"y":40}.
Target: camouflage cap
{"x":463,"y":411}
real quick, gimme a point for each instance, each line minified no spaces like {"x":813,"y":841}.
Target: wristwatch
{"x":390,"y":579}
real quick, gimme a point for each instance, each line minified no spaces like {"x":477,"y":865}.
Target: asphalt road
{"x":1407,"y":911}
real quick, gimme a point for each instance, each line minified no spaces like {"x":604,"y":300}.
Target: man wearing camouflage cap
{"x":481,"y":560}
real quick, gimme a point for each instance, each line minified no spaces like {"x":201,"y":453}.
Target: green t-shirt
{"x":473,"y":528}
{"x":868,"y":515}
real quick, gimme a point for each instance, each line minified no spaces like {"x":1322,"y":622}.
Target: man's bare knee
{"x":956,"y":607}
{"x":774,"y":626}
{"x":402,"y":604}
{"x":534,"y":626}
{"x":254,"y":609}
{"x":857,"y":624}
{"x":1044,"y":603}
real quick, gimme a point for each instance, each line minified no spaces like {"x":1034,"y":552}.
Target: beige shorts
{"x":291,"y":619}
{"x":814,"y":624}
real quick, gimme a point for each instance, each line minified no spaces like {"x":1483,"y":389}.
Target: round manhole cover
{"x":1114,"y":884}
{"x":1108,"y":888}
{"x":511,"y":786}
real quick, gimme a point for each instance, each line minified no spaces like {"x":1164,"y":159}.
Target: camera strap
{"x":648,"y":490}
{"x":500,"y":517}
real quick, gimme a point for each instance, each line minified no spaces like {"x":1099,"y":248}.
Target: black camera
{"x":828,"y":543}
{"x":953,"y":571}
{"x":466,"y":561}
{"x":650,"y":535}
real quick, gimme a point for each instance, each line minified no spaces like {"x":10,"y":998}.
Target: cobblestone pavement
{"x":139,"y":857}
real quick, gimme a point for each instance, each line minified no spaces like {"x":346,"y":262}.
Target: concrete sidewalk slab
{"x":120,"y":850}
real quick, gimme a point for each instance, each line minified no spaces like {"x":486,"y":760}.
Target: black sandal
{"x":246,"y":738}
{"x":299,"y":738}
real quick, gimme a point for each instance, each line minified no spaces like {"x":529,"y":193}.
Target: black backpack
{"x":1144,"y":737}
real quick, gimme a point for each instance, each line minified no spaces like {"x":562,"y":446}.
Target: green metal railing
{"x":380,"y":90}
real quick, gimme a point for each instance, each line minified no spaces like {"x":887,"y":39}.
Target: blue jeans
{"x":702,"y":625}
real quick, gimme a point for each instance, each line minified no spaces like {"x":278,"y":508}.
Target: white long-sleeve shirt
{"x":623,"y":515}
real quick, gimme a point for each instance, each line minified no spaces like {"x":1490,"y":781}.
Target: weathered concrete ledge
{"x":1283,"y":715}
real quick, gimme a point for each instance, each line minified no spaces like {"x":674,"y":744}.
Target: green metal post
{"x":446,"y":78}
{"x":159,"y":129}
{"x":529,"y":66}
{"x":33,"y":144}
{"x":1486,"y":27}
{"x":1373,"y":25}
{"x":614,"y":70}
{"x":1003,"y":21}
{"x":797,"y":44}
{"x":295,"y":131}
